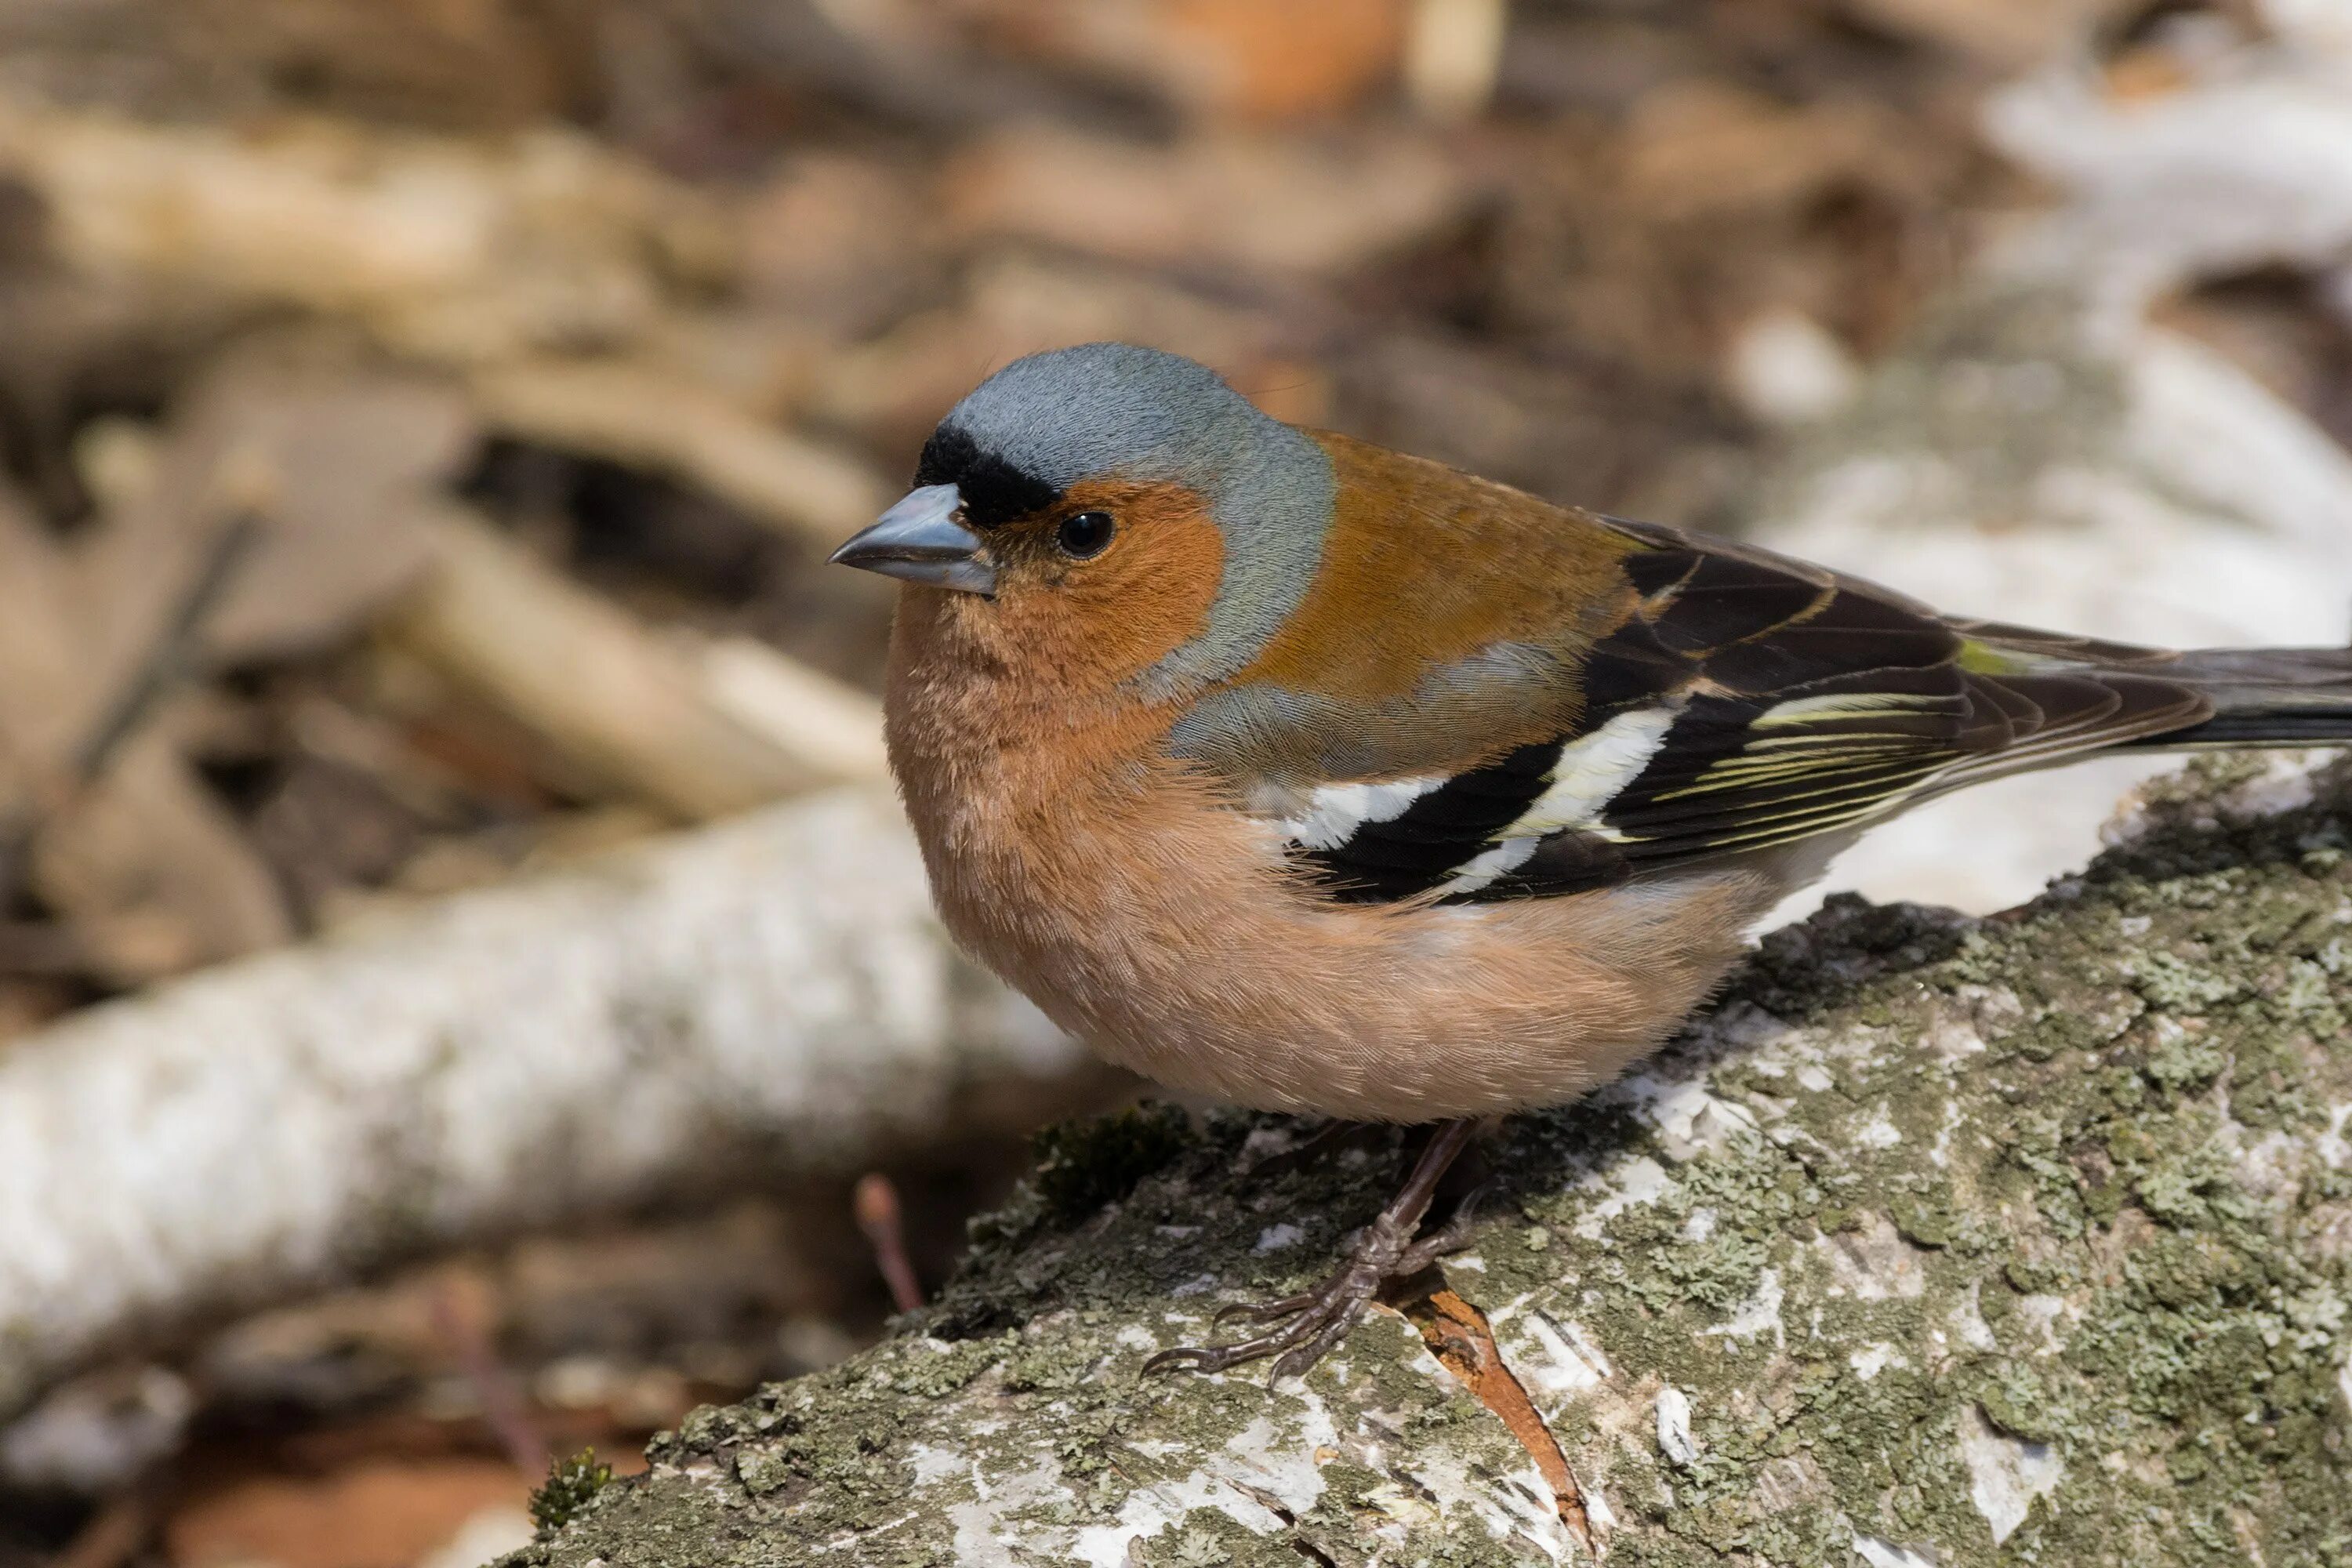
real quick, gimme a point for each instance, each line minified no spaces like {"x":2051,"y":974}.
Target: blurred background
{"x":423,"y":423}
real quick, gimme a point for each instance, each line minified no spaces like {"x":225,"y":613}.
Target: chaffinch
{"x":1291,"y":770}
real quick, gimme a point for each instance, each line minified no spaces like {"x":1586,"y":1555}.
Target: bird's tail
{"x":2264,"y":697}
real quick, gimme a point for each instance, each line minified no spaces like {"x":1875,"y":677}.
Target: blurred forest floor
{"x":410,"y":407}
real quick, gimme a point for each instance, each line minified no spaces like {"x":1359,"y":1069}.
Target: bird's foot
{"x":1311,"y":1323}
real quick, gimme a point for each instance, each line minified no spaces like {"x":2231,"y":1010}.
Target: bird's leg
{"x":1318,"y":1319}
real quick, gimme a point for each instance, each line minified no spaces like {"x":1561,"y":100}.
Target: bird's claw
{"x":1318,"y":1320}
{"x":1264,"y":1311}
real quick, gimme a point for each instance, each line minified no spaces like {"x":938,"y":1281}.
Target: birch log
{"x":1940,"y":1241}
{"x":767,"y":995}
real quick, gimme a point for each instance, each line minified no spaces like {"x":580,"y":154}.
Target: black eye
{"x":1085,"y":533}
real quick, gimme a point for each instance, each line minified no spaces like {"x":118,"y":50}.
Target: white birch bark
{"x":767,"y":995}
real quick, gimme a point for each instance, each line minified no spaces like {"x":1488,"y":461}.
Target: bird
{"x":1286,"y":769}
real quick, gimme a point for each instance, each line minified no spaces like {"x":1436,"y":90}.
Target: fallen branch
{"x":764,"y":995}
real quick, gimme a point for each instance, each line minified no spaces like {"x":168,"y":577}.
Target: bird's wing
{"x":1744,"y":701}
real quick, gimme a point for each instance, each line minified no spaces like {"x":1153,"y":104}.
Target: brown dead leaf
{"x":324,"y":827}
{"x":39,"y":658}
{"x":471,"y":62}
{"x":584,"y":1316}
{"x":150,"y":870}
{"x":1265,"y":59}
{"x":1710,"y":149}
{"x":328,"y":452}
{"x":830,"y":235}
{"x":345,"y":463}
{"x":895,"y":388}
{"x":29,"y":1005}
{"x":385,"y":1513}
{"x":1279,"y":59}
{"x":271,"y":518}
{"x":2144,"y":75}
{"x":1273,"y":204}
{"x":2007,"y":35}
{"x":457,"y":250}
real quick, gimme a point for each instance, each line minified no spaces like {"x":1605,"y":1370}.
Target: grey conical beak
{"x":919,"y":539}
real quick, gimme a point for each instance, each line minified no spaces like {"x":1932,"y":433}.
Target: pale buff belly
{"x":1187,"y":955}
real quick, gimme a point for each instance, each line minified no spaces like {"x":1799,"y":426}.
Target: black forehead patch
{"x":994,"y":491}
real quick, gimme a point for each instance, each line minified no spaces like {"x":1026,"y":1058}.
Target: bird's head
{"x":1117,"y":510}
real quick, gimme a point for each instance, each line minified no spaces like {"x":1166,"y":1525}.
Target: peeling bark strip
{"x":1458,"y":1334}
{"x":1940,"y":1241}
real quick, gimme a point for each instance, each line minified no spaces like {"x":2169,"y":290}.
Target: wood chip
{"x":651,"y":717}
{"x":643,"y":417}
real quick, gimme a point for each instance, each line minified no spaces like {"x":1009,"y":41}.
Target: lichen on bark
{"x":1936,"y":1241}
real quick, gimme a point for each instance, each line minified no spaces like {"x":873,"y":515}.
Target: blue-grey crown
{"x":1116,"y":410}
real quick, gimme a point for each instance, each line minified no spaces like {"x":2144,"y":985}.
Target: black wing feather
{"x":1795,"y":702}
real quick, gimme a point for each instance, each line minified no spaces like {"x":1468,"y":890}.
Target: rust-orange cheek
{"x":1092,"y":625}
